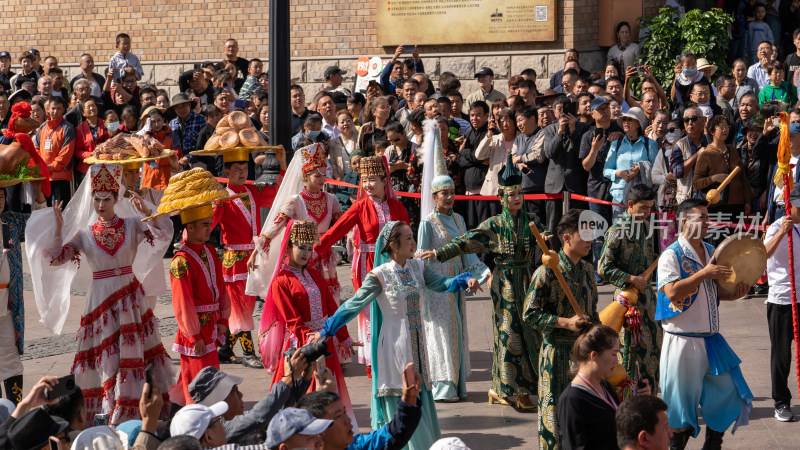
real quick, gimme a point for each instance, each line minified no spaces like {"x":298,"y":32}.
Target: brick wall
{"x":168,"y":35}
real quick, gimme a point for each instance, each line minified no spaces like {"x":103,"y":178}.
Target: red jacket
{"x":85,"y":143}
{"x":61,"y":135}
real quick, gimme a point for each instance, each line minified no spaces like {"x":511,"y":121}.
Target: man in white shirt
{"x":758,"y":71}
{"x":327,"y":108}
{"x":779,"y":303}
{"x":688,"y":299}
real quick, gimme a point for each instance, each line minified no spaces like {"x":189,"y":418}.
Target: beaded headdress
{"x":106,"y":177}
{"x":441,"y":179}
{"x":372,"y":165}
{"x":304,"y":232}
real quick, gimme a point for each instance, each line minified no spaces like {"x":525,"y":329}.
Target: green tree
{"x":703,"y":33}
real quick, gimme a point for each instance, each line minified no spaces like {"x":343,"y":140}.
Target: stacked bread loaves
{"x":234,"y":130}
{"x":190,"y":188}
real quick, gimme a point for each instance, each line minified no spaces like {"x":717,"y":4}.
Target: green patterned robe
{"x":544,"y":304}
{"x":515,"y":346}
{"x":629,"y":251}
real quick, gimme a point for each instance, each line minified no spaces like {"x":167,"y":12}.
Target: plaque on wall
{"x":436,"y":22}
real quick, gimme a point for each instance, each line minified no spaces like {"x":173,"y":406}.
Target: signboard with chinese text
{"x":435,"y":22}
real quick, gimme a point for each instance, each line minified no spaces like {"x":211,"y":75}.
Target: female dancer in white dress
{"x":118,"y":336}
{"x":306,"y":175}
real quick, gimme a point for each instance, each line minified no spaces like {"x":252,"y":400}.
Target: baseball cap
{"x":291,"y":421}
{"x":193,"y":420}
{"x":333,"y":70}
{"x":34,"y":52}
{"x":5,"y":55}
{"x":212,"y":385}
{"x":339,"y":99}
{"x":484,"y":71}
{"x":597,"y":102}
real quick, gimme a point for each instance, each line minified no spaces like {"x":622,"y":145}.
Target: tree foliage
{"x":703,"y":33}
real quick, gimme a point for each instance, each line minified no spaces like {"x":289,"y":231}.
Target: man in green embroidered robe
{"x":627,"y":252}
{"x":548,"y":310}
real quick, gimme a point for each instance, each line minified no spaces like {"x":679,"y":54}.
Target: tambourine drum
{"x":746,"y":255}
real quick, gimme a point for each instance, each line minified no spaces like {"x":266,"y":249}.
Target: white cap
{"x":193,"y":420}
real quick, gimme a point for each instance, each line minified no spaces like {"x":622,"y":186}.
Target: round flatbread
{"x":212,"y":143}
{"x":229,"y":139}
{"x":239,"y":120}
{"x":249,"y":137}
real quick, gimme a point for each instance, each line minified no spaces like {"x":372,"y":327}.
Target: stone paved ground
{"x":480,"y":425}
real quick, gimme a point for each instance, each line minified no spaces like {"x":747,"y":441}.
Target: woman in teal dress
{"x":396,"y":290}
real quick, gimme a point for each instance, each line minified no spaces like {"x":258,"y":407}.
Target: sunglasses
{"x":395,"y":140}
{"x":692,"y":119}
{"x":673,"y":129}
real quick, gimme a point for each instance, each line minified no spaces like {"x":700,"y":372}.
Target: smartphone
{"x":570,"y":108}
{"x":640,"y":71}
{"x":408,"y":48}
{"x":226,"y":85}
{"x":598,"y":131}
{"x":148,"y":378}
{"x":55,"y":443}
{"x":776,"y":121}
{"x":65,"y":385}
{"x":100,"y":420}
{"x":241,"y":104}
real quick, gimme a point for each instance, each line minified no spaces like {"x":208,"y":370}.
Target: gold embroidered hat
{"x":372,"y":165}
{"x":313,"y":158}
{"x":304,"y":232}
{"x":105,"y":177}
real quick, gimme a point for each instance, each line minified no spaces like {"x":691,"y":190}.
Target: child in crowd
{"x":757,"y":32}
{"x":124,"y":58}
{"x":251,"y":84}
{"x":778,"y":88}
{"x":686,"y":75}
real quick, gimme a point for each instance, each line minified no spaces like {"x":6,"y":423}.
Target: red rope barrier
{"x":537,"y":197}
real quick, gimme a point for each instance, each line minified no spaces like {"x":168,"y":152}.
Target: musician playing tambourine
{"x":688,"y":308}
{"x":628,"y":250}
{"x":779,"y":303}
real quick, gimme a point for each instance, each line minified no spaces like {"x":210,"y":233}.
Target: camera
{"x":312,"y":351}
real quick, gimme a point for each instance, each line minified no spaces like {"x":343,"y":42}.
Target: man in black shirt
{"x":593,"y":151}
{"x":5,"y":70}
{"x":565,"y":173}
{"x":299,"y":110}
{"x":475,"y":170}
{"x":232,"y":55}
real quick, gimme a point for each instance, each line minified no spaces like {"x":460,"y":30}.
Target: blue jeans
{"x":597,"y":244}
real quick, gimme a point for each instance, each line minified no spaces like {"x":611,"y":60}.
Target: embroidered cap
{"x":106,"y":177}
{"x":304,"y":232}
{"x":313,"y":158}
{"x":372,"y":165}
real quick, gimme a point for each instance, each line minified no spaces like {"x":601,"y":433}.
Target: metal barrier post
{"x":565,"y":202}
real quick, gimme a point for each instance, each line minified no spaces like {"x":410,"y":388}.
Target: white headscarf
{"x":51,"y":284}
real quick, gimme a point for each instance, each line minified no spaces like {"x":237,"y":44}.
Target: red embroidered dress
{"x":304,"y":304}
{"x":118,"y":335}
{"x":322,"y":208}
{"x":240,"y":221}
{"x":200,"y":305}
